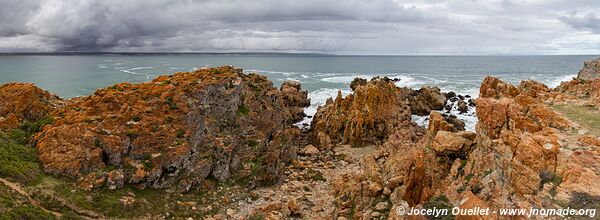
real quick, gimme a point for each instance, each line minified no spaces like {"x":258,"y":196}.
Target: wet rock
{"x":425,"y":100}
{"x":462,"y":106}
{"x":450,"y":95}
{"x":178,"y":129}
{"x":590,"y":71}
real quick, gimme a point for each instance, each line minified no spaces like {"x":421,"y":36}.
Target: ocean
{"x":322,"y":75}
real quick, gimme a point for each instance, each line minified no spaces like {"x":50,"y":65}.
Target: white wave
{"x":469,"y":117}
{"x":102,"y":66}
{"x":408,"y":81}
{"x":422,"y":121}
{"x":142,"y":68}
{"x":270,"y":72}
{"x":345,"y":79}
{"x":318,"y":98}
{"x":471,"y":91}
{"x":120,"y":63}
{"x":130,"y":71}
{"x":555,"y":83}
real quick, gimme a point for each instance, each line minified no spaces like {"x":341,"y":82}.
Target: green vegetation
{"x":253,"y":143}
{"x":316,"y":175}
{"x":258,"y":216}
{"x":132,"y":134}
{"x":243,"y":110}
{"x":26,"y":212}
{"x":180,"y":134}
{"x":440,"y":202}
{"x":461,"y":168}
{"x":170,"y":102}
{"x":476,"y":189}
{"x":585,"y":115}
{"x":550,"y":177}
{"x":136,"y":118}
{"x":18,"y":160}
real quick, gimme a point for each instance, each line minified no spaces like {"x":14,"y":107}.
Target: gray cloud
{"x":350,"y":26}
{"x":588,"y":20}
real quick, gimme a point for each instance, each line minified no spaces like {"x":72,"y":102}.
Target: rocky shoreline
{"x":362,"y":157}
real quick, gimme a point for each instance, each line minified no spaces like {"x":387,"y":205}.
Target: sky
{"x":384,"y":27}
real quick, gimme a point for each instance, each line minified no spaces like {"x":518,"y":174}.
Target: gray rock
{"x":590,"y":71}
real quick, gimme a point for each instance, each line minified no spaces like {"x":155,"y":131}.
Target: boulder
{"x":426,"y":99}
{"x":310,"y":150}
{"x":178,"y":130}
{"x":590,"y":71}
{"x":446,"y":142}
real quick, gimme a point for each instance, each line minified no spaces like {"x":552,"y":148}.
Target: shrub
{"x":243,"y":110}
{"x":27,"y":212}
{"x":136,"y":118}
{"x":439,"y":202}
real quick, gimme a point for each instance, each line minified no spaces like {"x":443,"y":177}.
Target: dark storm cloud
{"x":588,"y":20}
{"x":349,"y":26}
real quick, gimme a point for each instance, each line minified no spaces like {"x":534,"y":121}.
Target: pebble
{"x":230,"y":212}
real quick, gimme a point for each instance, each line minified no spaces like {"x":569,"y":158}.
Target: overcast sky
{"x":323,"y":26}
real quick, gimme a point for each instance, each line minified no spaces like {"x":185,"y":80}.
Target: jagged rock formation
{"x":21,"y":102}
{"x":590,"y":71}
{"x":366,"y":117}
{"x":372,"y":112}
{"x":522,"y":155}
{"x":176,"y":130}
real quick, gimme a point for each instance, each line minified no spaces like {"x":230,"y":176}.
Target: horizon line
{"x":266,"y":53}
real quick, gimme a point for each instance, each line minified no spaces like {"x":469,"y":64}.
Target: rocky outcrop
{"x":177,"y":130}
{"x":20,"y":102}
{"x":590,"y":71}
{"x":575,"y":91}
{"x":522,"y":155}
{"x":366,"y":117}
{"x":370,"y":114}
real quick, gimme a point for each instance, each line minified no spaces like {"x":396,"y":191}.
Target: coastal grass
{"x":15,"y":206}
{"x":18,"y":159}
{"x":585,"y":115}
{"x":165,"y":203}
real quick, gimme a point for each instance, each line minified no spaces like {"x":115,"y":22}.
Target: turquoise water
{"x":79,"y":75}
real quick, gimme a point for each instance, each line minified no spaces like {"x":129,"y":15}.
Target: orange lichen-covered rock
{"x":178,"y":129}
{"x":21,"y":102}
{"x":366,"y":117}
{"x":494,"y":88}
